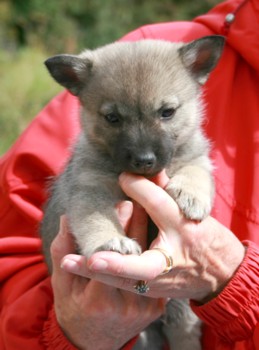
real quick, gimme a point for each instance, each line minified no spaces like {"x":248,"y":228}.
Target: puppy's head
{"x":141,"y":100}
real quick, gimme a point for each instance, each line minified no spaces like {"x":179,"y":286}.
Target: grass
{"x":26,"y":88}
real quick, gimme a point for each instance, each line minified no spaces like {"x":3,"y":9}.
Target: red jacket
{"x":232,"y":94}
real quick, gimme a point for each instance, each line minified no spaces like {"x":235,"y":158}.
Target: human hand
{"x":205,"y":254}
{"x":93,"y":315}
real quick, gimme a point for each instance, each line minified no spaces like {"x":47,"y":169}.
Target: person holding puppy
{"x":214,"y":263}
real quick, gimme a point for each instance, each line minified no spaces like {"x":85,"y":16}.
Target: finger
{"x":133,"y":219}
{"x":116,"y":279}
{"x":124,"y":212}
{"x":146,"y":266}
{"x":62,"y":245}
{"x":138,"y":225}
{"x":159,"y":205}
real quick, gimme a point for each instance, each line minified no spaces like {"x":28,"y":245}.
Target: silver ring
{"x":168,"y":259}
{"x":141,"y":287}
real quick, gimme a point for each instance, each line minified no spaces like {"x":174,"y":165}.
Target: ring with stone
{"x":141,"y":287}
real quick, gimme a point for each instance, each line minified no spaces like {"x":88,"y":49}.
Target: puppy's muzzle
{"x":142,"y":163}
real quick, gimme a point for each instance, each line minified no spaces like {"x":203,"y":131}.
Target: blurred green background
{"x":32,"y":30}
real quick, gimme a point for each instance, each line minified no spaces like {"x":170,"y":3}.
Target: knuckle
{"x":55,"y":247}
{"x":158,"y":201}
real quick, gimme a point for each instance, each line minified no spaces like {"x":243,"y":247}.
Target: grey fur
{"x":141,"y":112}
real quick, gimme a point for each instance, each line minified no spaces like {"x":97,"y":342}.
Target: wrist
{"x":225,"y":270}
{"x":226,"y":313}
{"x":53,"y":337}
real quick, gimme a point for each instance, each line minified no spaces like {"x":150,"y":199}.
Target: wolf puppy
{"x":141,"y":112}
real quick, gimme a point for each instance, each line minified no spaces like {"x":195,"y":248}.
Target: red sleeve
{"x":233,"y":315}
{"x":27,"y":319}
{"x":39,"y":153}
{"x":171,"y":31}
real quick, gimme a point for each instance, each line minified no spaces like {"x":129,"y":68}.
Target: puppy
{"x":141,"y":112}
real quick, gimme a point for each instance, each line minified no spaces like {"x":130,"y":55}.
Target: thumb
{"x":62,"y":245}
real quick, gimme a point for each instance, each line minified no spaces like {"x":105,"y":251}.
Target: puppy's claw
{"x":196,"y":211}
{"x":195,"y":206}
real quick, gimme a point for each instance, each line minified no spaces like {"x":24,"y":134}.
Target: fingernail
{"x":98,"y":265}
{"x":69,"y":265}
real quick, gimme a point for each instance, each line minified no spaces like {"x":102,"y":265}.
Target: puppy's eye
{"x":112,"y":118}
{"x":167,"y":113}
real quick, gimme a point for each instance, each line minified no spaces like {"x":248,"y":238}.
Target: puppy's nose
{"x":144,"y":162}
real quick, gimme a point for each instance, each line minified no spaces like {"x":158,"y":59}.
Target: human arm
{"x":200,"y":249}
{"x":29,"y":314}
{"x":94,"y":315}
{"x":231,"y":312}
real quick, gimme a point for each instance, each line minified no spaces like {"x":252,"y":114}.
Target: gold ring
{"x":168,"y":258}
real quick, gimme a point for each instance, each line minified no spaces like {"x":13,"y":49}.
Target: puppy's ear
{"x":202,"y":55}
{"x":70,"y":71}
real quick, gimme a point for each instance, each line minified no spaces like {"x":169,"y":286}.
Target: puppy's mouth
{"x":146,"y":172}
{"x":146,"y":165}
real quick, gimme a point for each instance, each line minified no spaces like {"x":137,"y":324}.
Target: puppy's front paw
{"x":121,"y":245}
{"x":194,"y":201}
